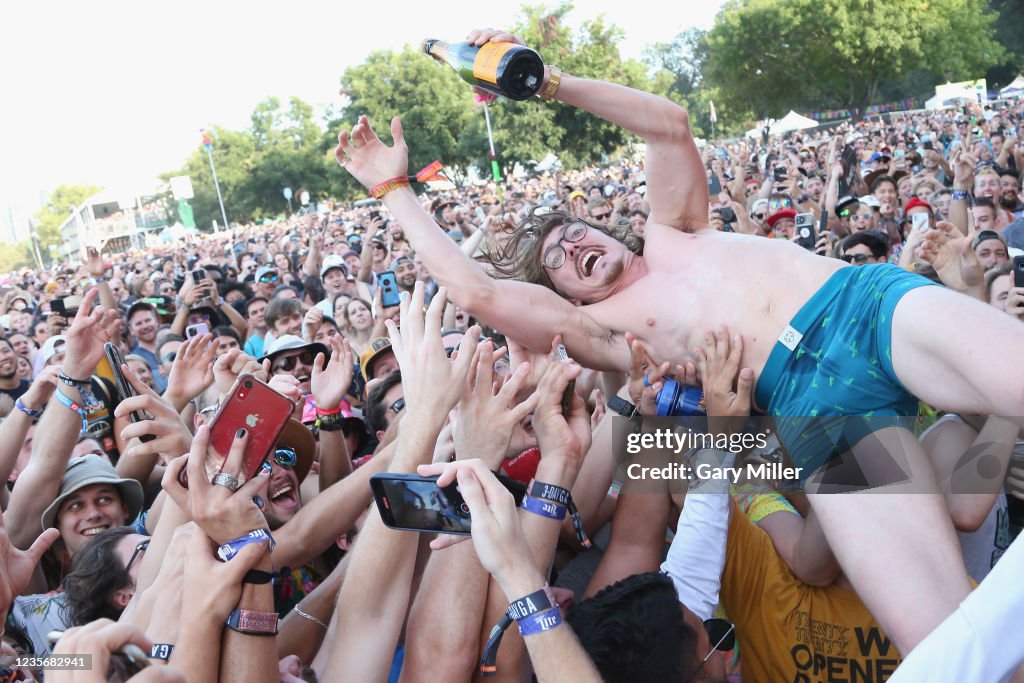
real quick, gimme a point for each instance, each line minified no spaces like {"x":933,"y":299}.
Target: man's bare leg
{"x":896,"y":544}
{"x":959,"y":354}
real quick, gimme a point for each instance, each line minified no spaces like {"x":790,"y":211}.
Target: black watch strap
{"x":255,"y":576}
{"x":623,"y":407}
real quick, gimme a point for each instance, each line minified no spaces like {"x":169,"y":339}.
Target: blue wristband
{"x":544,"y":508}
{"x":959,"y":195}
{"x":31,"y":412}
{"x":67,"y":402}
{"x":233,"y":547}
{"x":540,"y":622}
{"x":560,"y":496}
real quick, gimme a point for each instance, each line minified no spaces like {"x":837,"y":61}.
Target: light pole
{"x":208,"y":144}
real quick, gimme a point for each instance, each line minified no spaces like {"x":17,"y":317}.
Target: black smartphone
{"x":1018,"y":271}
{"x":374,"y":215}
{"x":414,"y":503}
{"x":389,"y":295}
{"x":125,"y":389}
{"x":727,"y":214}
{"x":198,"y":275}
{"x":560,"y":354}
{"x":57,"y":307}
{"x":714,"y":186}
{"x":779,"y":174}
{"x":805,"y":236}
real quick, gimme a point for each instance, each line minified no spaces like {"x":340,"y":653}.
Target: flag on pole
{"x":714,"y":116}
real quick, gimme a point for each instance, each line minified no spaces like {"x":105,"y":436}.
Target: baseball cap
{"x":85,"y":471}
{"x":265,"y":270}
{"x":377,"y":347}
{"x":50,"y":348}
{"x":140,"y":305}
{"x":780,"y":215}
{"x":985,"y":236}
{"x":333,"y":261}
{"x":845,"y":205}
{"x":400,"y":260}
{"x":299,"y":439}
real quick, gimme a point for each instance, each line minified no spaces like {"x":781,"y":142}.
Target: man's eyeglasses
{"x":140,"y":548}
{"x":554,"y":257}
{"x":757,"y":216}
{"x":859,"y":259}
{"x":288,"y":363}
{"x":398,"y":406}
{"x":723,"y":634}
{"x":169,"y":357}
{"x":601,"y":216}
{"x":285,"y":457}
{"x":780,"y":203}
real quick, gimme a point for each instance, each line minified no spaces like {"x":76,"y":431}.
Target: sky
{"x":114,"y":93}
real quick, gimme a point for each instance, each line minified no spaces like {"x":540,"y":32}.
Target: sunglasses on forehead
{"x":780,"y":203}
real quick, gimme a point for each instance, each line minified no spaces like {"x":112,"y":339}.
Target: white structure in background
{"x":958,"y":94}
{"x":1014,"y":89}
{"x":115,"y":220}
{"x":789,"y":122}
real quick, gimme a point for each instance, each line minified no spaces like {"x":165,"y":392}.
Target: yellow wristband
{"x":551,"y":87}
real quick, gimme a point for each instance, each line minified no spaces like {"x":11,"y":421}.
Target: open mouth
{"x":587,"y":261}
{"x":93,"y":531}
{"x":285,"y":497}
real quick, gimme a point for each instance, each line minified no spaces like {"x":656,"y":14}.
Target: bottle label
{"x":485,"y":64}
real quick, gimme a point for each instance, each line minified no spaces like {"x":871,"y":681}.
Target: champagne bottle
{"x":505,"y":69}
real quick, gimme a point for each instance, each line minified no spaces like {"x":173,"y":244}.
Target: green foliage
{"x":61,"y":202}
{"x":774,"y":55}
{"x":15,"y":256}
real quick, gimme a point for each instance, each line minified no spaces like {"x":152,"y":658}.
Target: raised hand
{"x":330,"y":380}
{"x":192,"y":369}
{"x":93,"y":262}
{"x":222,"y":513}
{"x":368,"y":159}
{"x":429,"y":378}
{"x":232,"y":364}
{"x":566,"y":438}
{"x":488,"y":417}
{"x":93,"y":327}
{"x":172,"y":437}
{"x":17,"y":566}
{"x":42,"y":388}
{"x":949,"y":251}
{"x":727,"y":388}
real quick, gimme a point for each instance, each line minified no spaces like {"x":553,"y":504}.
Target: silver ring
{"x":226,"y":480}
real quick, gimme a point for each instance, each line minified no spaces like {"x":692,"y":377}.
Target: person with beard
{"x":1010,"y":194}
{"x":143,"y":326}
{"x":405,"y":273}
{"x":10,"y":385}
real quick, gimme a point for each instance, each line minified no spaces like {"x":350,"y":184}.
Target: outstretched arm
{"x":676,"y":182}
{"x":499,"y":303}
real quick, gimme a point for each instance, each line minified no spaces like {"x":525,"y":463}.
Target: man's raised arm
{"x":501,"y":304}
{"x":676,"y":182}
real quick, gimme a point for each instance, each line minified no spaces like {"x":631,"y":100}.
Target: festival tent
{"x":1014,"y":88}
{"x":955,"y":94}
{"x":791,"y":121}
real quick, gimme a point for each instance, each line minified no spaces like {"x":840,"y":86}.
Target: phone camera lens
{"x":247,"y":384}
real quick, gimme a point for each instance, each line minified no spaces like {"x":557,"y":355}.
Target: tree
{"x":780,"y":54}
{"x":61,"y":202}
{"x":15,"y":256}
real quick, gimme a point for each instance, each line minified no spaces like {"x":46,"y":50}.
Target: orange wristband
{"x":378,"y":191}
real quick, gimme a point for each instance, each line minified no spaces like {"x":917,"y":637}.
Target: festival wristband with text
{"x":233,"y":547}
{"x":561,"y":496}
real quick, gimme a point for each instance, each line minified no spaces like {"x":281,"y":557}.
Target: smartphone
{"x":560,"y":354}
{"x":714,"y":186}
{"x":125,"y":389}
{"x":261,"y":411}
{"x":805,"y":236}
{"x":389,"y":295}
{"x":374,"y":215}
{"x":727,"y":214}
{"x":57,"y":307}
{"x":198,"y":275}
{"x":919,"y":222}
{"x":779,"y":174}
{"x":414,"y":503}
{"x":196,"y":330}
{"x":1018,"y":271}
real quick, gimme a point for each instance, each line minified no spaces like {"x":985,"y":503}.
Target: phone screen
{"x":418,"y":504}
{"x":919,"y":221}
{"x":125,"y":389}
{"x":1018,"y":271}
{"x":714,"y":186}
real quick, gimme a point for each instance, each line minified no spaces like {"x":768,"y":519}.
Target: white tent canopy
{"x":791,"y":121}
{"x":1015,"y":87}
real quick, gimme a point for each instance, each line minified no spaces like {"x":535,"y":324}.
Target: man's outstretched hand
{"x":369,"y":160}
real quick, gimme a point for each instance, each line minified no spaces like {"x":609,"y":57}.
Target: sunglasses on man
{"x":288,"y":363}
{"x":268,"y":278}
{"x":601,"y":216}
{"x":859,"y":259}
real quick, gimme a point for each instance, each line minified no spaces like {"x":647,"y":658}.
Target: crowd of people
{"x":871,"y":269}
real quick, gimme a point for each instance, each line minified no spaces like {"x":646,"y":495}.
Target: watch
{"x":252,"y":623}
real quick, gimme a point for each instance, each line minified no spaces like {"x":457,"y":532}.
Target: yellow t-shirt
{"x":790,"y":632}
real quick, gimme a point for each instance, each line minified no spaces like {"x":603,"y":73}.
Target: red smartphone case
{"x":261,"y":411}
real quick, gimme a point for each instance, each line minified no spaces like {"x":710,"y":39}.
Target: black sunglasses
{"x":397,"y":406}
{"x":140,"y":548}
{"x":600,"y":216}
{"x":288,"y":364}
{"x":856,"y":258}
